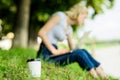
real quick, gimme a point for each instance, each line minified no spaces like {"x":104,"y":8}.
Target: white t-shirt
{"x":58,"y":32}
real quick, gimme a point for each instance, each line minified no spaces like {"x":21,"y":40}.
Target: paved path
{"x":110,"y":59}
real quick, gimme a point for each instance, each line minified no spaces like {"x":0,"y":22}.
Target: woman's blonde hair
{"x":75,"y":10}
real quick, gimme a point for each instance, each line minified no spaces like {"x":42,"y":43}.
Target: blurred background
{"x":20,"y":21}
{"x":25,"y":18}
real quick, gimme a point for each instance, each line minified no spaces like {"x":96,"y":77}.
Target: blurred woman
{"x":59,"y":28}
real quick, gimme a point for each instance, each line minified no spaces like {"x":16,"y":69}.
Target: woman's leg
{"x":98,"y":69}
{"x":93,"y":73}
{"x":101,"y":72}
{"x":76,"y":56}
{"x":95,"y":62}
{"x":64,"y":59}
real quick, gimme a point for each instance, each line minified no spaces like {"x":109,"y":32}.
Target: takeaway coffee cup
{"x":34,"y":66}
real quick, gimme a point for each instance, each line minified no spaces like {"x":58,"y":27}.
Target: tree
{"x":39,"y":11}
{"x":22,"y":23}
{"x":98,"y":5}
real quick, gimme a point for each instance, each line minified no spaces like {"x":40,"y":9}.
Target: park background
{"x":99,"y":34}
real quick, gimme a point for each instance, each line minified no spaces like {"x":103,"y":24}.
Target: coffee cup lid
{"x":29,"y":60}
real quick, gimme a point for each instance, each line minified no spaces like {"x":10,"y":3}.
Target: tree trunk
{"x":22,"y":23}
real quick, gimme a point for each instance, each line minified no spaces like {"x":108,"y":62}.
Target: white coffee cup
{"x":34,"y":66}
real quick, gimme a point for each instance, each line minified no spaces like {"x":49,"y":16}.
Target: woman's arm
{"x":70,"y":43}
{"x":44,"y":30}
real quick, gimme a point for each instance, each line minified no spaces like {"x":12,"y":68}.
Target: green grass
{"x":13,"y":66}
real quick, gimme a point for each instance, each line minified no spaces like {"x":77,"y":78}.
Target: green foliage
{"x":98,"y":5}
{"x":42,"y":9}
{"x":7,"y":14}
{"x":5,"y":3}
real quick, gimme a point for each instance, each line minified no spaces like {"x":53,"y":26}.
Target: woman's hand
{"x":59,"y":52}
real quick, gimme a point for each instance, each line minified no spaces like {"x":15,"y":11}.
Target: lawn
{"x":13,"y":66}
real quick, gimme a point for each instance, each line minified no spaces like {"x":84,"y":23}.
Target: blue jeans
{"x":81,"y":56}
